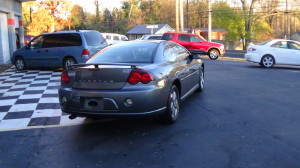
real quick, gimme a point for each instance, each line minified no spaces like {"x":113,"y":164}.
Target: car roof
{"x":69,"y":31}
{"x":112,"y":34}
{"x":179,"y":33}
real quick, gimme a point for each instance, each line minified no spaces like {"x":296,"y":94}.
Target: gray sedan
{"x":135,"y":78}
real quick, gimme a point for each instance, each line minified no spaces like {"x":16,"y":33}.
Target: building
{"x":140,"y":30}
{"x":11,"y":25}
{"x":216,"y":34}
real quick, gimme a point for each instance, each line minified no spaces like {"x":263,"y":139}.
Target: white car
{"x":278,"y":51}
{"x":113,"y":38}
{"x":151,"y":37}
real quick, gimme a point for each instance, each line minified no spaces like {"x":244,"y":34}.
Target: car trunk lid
{"x":96,"y":76}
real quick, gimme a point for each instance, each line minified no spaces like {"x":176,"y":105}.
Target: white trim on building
{"x":10,"y":25}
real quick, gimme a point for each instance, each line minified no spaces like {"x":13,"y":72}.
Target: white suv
{"x":112,"y":38}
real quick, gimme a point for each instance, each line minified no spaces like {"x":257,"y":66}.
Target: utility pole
{"x":187,"y":13}
{"x":181,"y":16}
{"x":177,"y":16}
{"x":209,"y":22}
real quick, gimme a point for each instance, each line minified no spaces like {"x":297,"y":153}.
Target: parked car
{"x":151,"y":37}
{"x":278,"y":51}
{"x":28,"y":38}
{"x":196,"y":44}
{"x":135,"y":78}
{"x":59,"y":49}
{"x":113,"y":38}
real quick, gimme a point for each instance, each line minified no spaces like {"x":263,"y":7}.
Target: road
{"x":235,"y":53}
{"x":247,"y":116}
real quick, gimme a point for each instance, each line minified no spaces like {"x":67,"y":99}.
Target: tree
{"x":230,"y":19}
{"x":77,"y":18}
{"x":59,"y":10}
{"x":198,"y":13}
{"x":45,"y":15}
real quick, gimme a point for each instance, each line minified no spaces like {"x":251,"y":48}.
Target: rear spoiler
{"x":71,"y":67}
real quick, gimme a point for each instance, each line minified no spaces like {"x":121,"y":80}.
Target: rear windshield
{"x":167,"y":37}
{"x":94,"y":38}
{"x":131,"y":52}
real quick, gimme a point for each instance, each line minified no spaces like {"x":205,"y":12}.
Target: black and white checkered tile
{"x":30,"y":98}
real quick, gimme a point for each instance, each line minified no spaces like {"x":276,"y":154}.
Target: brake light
{"x":138,"y":75}
{"x":65,"y":77}
{"x":85,"y":53}
{"x":251,"y":49}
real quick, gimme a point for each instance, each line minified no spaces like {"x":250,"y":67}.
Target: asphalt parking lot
{"x":247,"y":116}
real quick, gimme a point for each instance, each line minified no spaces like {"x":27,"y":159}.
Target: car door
{"x":177,"y":66}
{"x":197,"y":44}
{"x":295,"y":52}
{"x":192,"y":68}
{"x":51,"y":50}
{"x":280,"y":52}
{"x":184,"y":40}
{"x":33,"y":54}
{"x":188,"y":71}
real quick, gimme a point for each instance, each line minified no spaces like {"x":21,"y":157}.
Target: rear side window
{"x":62,"y":40}
{"x":167,"y":37}
{"x":108,"y":37}
{"x":175,"y":52}
{"x":183,"y":37}
{"x":94,"y":38}
{"x":116,"y":38}
{"x":124,"y":38}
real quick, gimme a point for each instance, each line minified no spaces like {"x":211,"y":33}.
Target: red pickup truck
{"x":196,"y":44}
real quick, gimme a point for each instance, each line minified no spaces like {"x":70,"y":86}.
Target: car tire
{"x":69,"y":61}
{"x":201,"y":80}
{"x":213,"y":54}
{"x":173,"y":105}
{"x":20,"y":63}
{"x":267,"y":61}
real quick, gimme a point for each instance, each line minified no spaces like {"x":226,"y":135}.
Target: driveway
{"x":28,"y":99}
{"x":247,"y":116}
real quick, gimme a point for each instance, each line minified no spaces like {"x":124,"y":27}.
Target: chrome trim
{"x":112,"y":113}
{"x":190,"y":91}
{"x":190,"y":75}
{"x":112,"y":101}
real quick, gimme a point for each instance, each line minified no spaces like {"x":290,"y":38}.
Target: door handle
{"x":38,"y":51}
{"x":46,"y":50}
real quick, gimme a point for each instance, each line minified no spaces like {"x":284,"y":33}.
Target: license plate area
{"x":93,"y":103}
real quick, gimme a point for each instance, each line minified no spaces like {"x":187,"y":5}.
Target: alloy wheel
{"x":267,"y":61}
{"x":174,"y":104}
{"x":20,"y":64}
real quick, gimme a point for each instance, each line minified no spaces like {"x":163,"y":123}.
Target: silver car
{"x":135,"y":78}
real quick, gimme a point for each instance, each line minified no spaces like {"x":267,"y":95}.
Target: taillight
{"x":65,"y":77}
{"x":138,"y":75}
{"x":85,"y":53}
{"x":251,"y":49}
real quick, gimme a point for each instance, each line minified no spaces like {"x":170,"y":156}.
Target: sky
{"x":88,"y":5}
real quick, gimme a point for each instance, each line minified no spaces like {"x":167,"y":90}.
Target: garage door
{"x":4,"y":43}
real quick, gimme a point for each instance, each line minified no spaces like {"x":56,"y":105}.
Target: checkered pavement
{"x":29,"y":98}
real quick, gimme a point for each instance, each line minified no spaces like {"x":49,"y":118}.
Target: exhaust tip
{"x":72,"y":116}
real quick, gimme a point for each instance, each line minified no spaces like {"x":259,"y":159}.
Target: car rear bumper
{"x":251,"y":57}
{"x":112,"y":103}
